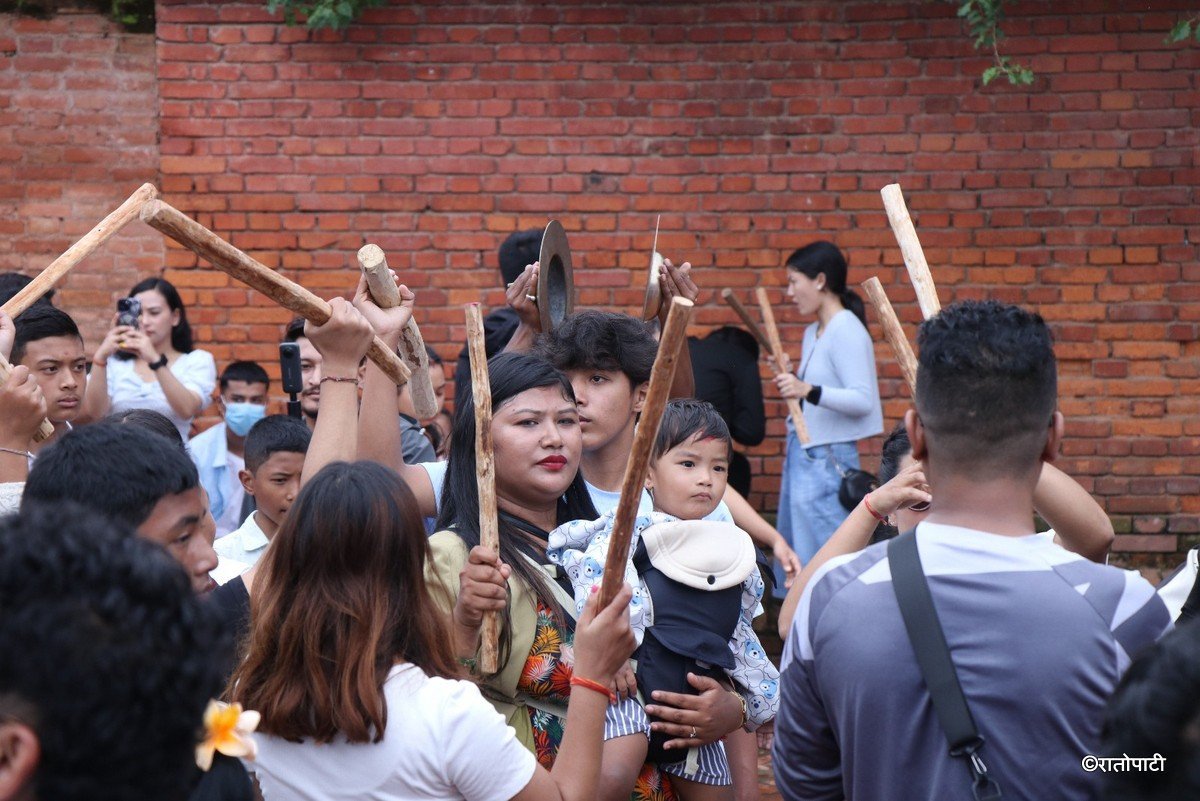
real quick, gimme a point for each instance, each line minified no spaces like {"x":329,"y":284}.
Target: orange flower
{"x":227,"y":729}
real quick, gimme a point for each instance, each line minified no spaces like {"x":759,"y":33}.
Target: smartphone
{"x":129,"y":312}
{"x":289,"y":367}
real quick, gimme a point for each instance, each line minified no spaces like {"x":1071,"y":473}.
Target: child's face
{"x":275,"y":484}
{"x":689,"y":480}
{"x":60,"y":367}
{"x":608,"y":404}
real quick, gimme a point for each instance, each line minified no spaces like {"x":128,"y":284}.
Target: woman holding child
{"x":837,"y":384}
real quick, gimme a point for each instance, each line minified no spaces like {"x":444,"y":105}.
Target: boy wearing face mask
{"x":219,"y":452}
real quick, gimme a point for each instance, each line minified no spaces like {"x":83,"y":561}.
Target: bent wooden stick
{"x":782,"y":363}
{"x":893,"y":332}
{"x":910,"y":248}
{"x":662,"y":375}
{"x":46,"y":429}
{"x":92,"y":240}
{"x":412,"y":346}
{"x":735,"y":304}
{"x":256,"y":275}
{"x":485,"y":473}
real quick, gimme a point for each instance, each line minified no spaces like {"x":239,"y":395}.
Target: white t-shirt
{"x":231,"y":515}
{"x":603,"y":500}
{"x":443,"y":740}
{"x":126,"y":390}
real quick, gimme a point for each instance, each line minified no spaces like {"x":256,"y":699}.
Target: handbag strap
{"x":933,"y":657}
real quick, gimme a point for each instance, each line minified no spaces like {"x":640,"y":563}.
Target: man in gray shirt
{"x":1038,"y":636}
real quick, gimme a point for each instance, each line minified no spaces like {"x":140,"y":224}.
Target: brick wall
{"x":78,"y":133}
{"x":436,"y":128}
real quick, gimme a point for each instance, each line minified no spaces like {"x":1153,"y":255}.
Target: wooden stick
{"x":485,"y":472}
{"x":92,"y":240}
{"x":633,"y":484}
{"x":910,"y":247}
{"x":893,"y":332}
{"x":46,"y":429}
{"x":782,"y":363}
{"x":730,"y":298}
{"x":412,"y":346}
{"x":231,"y":261}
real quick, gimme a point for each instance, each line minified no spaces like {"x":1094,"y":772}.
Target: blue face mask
{"x":240,"y":417}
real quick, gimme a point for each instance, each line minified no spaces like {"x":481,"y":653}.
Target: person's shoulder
{"x":446,"y":545}
{"x":208,"y":438}
{"x":868,"y":566}
{"x":846,"y":323}
{"x":197,"y":357}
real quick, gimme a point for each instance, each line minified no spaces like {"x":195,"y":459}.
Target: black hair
{"x":248,"y":372}
{"x":895,"y":448}
{"x":41,"y":321}
{"x":684,"y":418}
{"x":272,"y":434}
{"x":986,"y":386}
{"x":738,"y":337}
{"x":509,"y":374}
{"x":12,"y":283}
{"x":181,"y":332}
{"x":149,"y":420}
{"x":433,"y":355}
{"x":518,"y":251}
{"x":294,"y":330}
{"x":105,"y":653}
{"x":120,"y":470}
{"x":825,"y":258}
{"x":601,"y":340}
{"x":1155,"y":710}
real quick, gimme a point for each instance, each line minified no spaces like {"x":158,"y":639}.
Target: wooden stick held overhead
{"x":661,"y":377}
{"x":46,"y":429}
{"x":412,"y":346}
{"x":735,"y":304}
{"x":910,"y":248}
{"x":782,"y":363}
{"x":893,"y":332}
{"x":231,"y":261}
{"x":92,"y":240}
{"x":485,"y":473}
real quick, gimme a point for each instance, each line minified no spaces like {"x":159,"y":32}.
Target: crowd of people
{"x":321,"y":578}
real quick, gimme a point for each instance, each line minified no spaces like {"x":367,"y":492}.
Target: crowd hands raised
{"x":354,"y":635}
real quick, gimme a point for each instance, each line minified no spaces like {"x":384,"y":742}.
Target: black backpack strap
{"x":933,"y":657}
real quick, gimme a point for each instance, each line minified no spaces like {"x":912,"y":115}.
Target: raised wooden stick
{"x":735,"y":304}
{"x":485,"y":472}
{"x":46,"y":429}
{"x":910,"y":248}
{"x":893,"y":332}
{"x":782,"y":363}
{"x":92,"y":240}
{"x":231,"y":261}
{"x":412,"y":346}
{"x":662,"y":375}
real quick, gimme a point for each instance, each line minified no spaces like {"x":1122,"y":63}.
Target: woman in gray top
{"x":840,"y":394}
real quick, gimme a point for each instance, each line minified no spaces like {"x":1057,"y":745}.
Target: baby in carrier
{"x":697,"y":589}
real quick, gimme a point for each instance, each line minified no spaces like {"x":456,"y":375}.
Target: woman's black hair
{"x":181,"y":332}
{"x":509,"y":374}
{"x":824,"y":258}
{"x":895,"y":448}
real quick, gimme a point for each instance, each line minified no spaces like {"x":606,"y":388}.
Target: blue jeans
{"x":809,"y":509}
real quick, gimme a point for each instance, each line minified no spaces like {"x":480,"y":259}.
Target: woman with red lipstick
{"x":537,"y":445}
{"x":152,"y":364}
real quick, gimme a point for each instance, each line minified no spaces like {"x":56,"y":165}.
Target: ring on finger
{"x":693,"y":734}
{"x":531,"y":298}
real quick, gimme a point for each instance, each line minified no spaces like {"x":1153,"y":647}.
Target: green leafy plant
{"x":983,"y":18}
{"x":1182,"y":30}
{"x":336,"y":14}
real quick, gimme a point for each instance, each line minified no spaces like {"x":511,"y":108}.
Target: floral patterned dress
{"x":547,"y":677}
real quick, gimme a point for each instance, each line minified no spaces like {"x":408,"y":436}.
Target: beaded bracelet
{"x":338,"y":379}
{"x":588,"y":684}
{"x":874,"y":514}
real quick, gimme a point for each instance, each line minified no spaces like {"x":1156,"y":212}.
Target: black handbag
{"x":937,"y":668}
{"x":855,"y":484}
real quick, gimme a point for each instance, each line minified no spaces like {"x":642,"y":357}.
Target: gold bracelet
{"x":745,"y":708}
{"x":338,"y":379}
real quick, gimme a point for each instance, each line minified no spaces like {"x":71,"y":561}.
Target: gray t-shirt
{"x":415,"y":447}
{"x":1039,"y":637}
